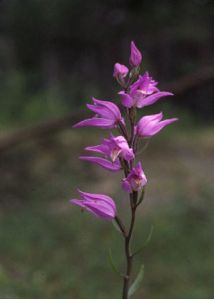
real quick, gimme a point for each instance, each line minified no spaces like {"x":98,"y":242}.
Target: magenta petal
{"x":152,"y":99}
{"x":152,"y":124}
{"x":101,"y":209}
{"x":106,"y":164}
{"x":101,"y":206}
{"x":102,"y":111}
{"x":120,"y":70}
{"x":135,"y":56}
{"x":126,"y":186}
{"x":161,"y":125}
{"x":110,"y":106}
{"x":96,"y":122}
{"x":97,"y":197}
{"x":126,"y":99}
{"x":77,"y":202}
{"x":102,"y":149}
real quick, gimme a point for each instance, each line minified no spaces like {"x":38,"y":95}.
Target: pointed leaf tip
{"x":136,"y":284}
{"x":114,"y":268}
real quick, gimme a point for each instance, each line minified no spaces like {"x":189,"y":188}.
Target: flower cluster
{"x":118,"y":152}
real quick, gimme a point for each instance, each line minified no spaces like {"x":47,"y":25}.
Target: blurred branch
{"x":44,"y":129}
{"x":190,"y":81}
{"x":41,"y":130}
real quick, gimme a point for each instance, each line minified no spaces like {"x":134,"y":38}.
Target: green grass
{"x":49,"y":249}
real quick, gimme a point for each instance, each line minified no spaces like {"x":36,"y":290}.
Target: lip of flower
{"x":107,"y":115}
{"x":102,"y":206}
{"x":114,"y":154}
{"x":152,"y":124}
{"x":137,"y":182}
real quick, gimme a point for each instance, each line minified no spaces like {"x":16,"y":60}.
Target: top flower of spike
{"x":135,"y":56}
{"x":144,"y":91}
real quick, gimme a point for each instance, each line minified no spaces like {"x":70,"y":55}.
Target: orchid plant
{"x":119,"y":153}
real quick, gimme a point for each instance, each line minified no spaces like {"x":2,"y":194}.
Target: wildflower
{"x":135,"y":180}
{"x":101,"y":206}
{"x":107,"y":115}
{"x":135,"y":56}
{"x":152,"y":124}
{"x":120,"y":70}
{"x":142,"y":93}
{"x":114,"y":147}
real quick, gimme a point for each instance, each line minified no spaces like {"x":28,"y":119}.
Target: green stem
{"x":128,"y":252}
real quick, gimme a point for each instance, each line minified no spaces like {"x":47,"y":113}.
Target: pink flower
{"x":135,"y":180}
{"x":152,"y":124}
{"x":107,"y":115}
{"x":112,"y":149}
{"x":120,"y":70}
{"x":142,"y":93}
{"x":135,"y":56}
{"x":101,"y":206}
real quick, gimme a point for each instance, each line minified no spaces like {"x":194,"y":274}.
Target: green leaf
{"x":114,"y":268}
{"x":136,"y":284}
{"x":146,"y":241}
{"x":116,"y":225}
{"x":141,"y":197}
{"x":149,"y":236}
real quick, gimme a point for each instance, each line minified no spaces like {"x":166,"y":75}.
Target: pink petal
{"x":145,"y":101}
{"x":96,"y":122}
{"x":106,"y":164}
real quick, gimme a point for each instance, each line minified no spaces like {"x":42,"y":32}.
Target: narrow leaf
{"x":141,"y":197}
{"x":136,"y":284}
{"x":149,"y":236}
{"x":114,"y":268}
{"x":146,"y":241}
{"x":116,"y":225}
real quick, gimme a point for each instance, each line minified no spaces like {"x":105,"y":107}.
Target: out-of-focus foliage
{"x":60,"y":48}
{"x":50,"y":249}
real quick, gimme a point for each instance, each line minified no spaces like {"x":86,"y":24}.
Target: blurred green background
{"x":56,"y":54}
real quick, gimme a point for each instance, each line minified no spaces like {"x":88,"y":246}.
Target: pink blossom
{"x":114,"y":147}
{"x":142,"y":93}
{"x":152,"y":124}
{"x":120,"y":70}
{"x":135,"y":180}
{"x":107,"y":115}
{"x":101,"y":206}
{"x":135,"y":56}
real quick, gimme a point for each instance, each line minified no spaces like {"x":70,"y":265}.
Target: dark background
{"x":55,"y":55}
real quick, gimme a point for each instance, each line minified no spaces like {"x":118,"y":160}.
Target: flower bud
{"x":120,"y":70}
{"x":101,"y":206}
{"x":135,"y":56}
